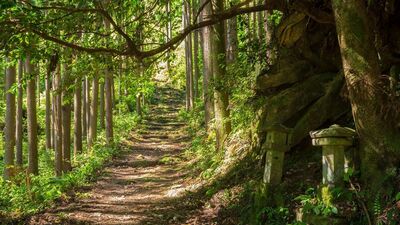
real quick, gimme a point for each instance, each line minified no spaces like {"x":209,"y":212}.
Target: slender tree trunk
{"x":195,"y":55}
{"x":207,"y":66}
{"x":57,"y":111}
{"x":66,"y":118}
{"x":169,"y":31}
{"x":19,"y":122}
{"x":93,"y":113}
{"x":108,"y":106}
{"x":78,"y":118}
{"x":260,"y":23}
{"x":66,"y":130}
{"x":102,"y":106}
{"x":38,"y":90}
{"x":375,"y":114}
{"x":9,"y":129}
{"x":32,"y":120}
{"x":269,"y":27}
{"x":221,"y":98}
{"x":88,"y":110}
{"x":84,"y":109}
{"x":139,"y":104}
{"x":109,"y":96}
{"x":48,"y":111}
{"x":232,"y":40}
{"x":188,"y":57}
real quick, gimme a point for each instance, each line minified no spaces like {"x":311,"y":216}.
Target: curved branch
{"x":215,"y":18}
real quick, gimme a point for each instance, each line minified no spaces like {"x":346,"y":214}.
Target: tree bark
{"x":48,"y":110}
{"x":66,"y":117}
{"x":9,"y":129}
{"x":108,"y":106}
{"x":88,"y":105}
{"x":51,"y":67}
{"x":32,"y":120}
{"x":221,"y":98}
{"x":196,"y":67}
{"x":109,"y":96}
{"x":58,"y":156}
{"x":269,"y":27}
{"x":188,"y":57}
{"x":169,"y":32}
{"x":375,"y":115}
{"x":66,"y":131}
{"x":19,"y":122}
{"x":207,"y":65}
{"x":139,"y":104}
{"x":93,"y":113}
{"x":102,"y":106}
{"x":232,"y":40}
{"x":84,"y":109}
{"x":78,"y":128}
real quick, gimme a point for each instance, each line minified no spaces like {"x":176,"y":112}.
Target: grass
{"x":25,"y":196}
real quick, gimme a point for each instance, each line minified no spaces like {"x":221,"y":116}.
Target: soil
{"x":136,"y":186}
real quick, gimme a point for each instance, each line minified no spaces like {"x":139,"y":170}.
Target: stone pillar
{"x":277,"y":143}
{"x":334,"y":141}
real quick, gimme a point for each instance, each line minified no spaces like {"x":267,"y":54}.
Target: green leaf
{"x":334,"y":210}
{"x":398,"y":196}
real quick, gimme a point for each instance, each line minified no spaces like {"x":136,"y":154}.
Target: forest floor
{"x":136,"y":186}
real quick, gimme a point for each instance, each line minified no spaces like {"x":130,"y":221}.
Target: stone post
{"x":277,"y":143}
{"x":334,"y":141}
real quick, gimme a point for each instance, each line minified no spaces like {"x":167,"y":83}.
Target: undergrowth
{"x":27,"y":195}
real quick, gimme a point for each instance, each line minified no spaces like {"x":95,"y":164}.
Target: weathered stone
{"x":277,"y":143}
{"x":334,"y":141}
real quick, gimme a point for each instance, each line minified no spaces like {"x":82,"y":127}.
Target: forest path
{"x":134,"y":188}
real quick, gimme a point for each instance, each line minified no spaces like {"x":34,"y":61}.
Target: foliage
{"x":318,"y":204}
{"x":29,"y":195}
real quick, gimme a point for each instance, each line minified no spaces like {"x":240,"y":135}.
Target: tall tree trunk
{"x":19,"y":122}
{"x":207,"y":65}
{"x":93,"y":113}
{"x":88,"y":110}
{"x":269,"y":28}
{"x":221,"y":98}
{"x":51,"y":67}
{"x":78,"y":117}
{"x":375,"y":115}
{"x":109,"y":96}
{"x":66,"y":131}
{"x":84,"y":109}
{"x":57,"y":122}
{"x":66,"y":118}
{"x":260,"y":22}
{"x":9,"y":129}
{"x":102,"y":106}
{"x":232,"y":40}
{"x":188,"y":57}
{"x":196,"y":55}
{"x":32,"y":120}
{"x":108,"y":106}
{"x":48,"y":111}
{"x":38,"y":90}
{"x":169,"y":31}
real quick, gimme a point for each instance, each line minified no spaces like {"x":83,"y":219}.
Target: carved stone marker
{"x":277,"y":143}
{"x":334,"y":141}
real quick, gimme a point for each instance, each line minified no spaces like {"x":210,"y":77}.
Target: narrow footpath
{"x":134,"y":188}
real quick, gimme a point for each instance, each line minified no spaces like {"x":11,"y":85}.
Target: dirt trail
{"x":134,"y":188}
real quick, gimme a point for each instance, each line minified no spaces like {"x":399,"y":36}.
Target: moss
{"x":326,"y":195}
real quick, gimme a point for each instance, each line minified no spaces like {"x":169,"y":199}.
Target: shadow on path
{"x":133,"y":189}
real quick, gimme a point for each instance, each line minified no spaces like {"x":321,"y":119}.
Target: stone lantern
{"x":277,"y":142}
{"x":334,"y":141}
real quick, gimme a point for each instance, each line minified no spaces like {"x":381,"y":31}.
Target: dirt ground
{"x":136,"y":187}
